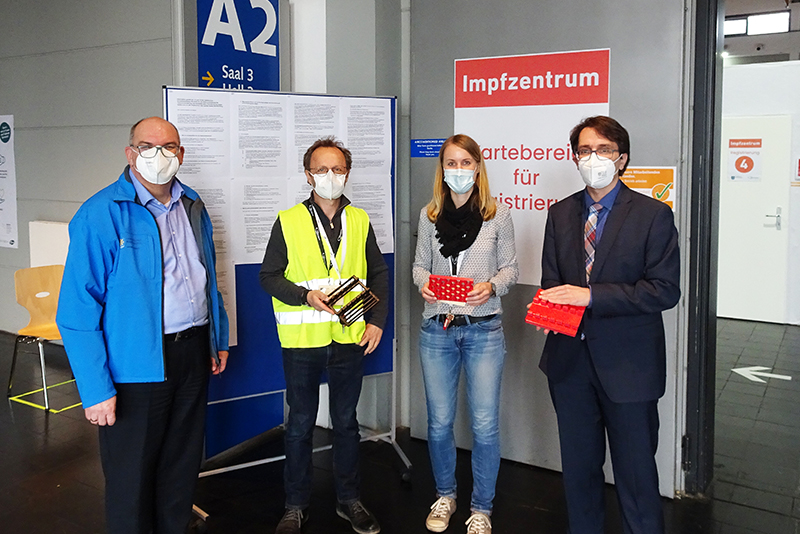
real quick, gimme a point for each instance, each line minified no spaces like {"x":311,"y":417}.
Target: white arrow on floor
{"x":752,"y":373}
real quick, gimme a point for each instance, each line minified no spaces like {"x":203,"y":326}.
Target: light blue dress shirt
{"x":185,"y":279}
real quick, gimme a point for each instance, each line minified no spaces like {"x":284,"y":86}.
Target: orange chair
{"x":37,"y":290}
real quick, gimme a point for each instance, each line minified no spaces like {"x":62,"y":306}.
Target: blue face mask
{"x":460,"y":181}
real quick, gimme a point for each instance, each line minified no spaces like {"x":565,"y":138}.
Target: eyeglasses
{"x":149,"y":152}
{"x":603,"y":152}
{"x":324,"y":170}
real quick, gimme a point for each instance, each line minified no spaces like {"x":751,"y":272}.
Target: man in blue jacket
{"x":143,"y":324}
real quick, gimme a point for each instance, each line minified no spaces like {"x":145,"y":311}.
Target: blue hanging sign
{"x":426,"y":148}
{"x":237,"y":44}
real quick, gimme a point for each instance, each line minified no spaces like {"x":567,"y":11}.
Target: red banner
{"x":533,"y":80}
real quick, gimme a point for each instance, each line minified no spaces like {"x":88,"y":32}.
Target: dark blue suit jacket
{"x":635,"y":277}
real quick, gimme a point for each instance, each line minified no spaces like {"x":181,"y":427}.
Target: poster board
{"x":244,"y":153}
{"x":9,"y":233}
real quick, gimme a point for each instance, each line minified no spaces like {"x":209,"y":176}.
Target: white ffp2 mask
{"x":329,"y":185}
{"x":159,"y":169}
{"x":597,"y":172}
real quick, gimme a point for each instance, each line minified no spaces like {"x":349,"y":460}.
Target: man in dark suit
{"x":616,"y":252}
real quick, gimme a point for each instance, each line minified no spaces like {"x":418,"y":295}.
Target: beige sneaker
{"x":440,"y":514}
{"x":479,"y":523}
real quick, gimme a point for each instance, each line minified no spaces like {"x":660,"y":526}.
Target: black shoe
{"x":360,"y":518}
{"x":292,"y":521}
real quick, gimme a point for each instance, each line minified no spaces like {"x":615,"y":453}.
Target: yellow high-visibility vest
{"x":303,"y":326}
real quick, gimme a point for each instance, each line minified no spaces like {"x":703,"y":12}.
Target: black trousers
{"x":151,"y":456}
{"x":585,"y":417}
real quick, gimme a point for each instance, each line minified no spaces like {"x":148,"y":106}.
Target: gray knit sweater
{"x":491,"y":258}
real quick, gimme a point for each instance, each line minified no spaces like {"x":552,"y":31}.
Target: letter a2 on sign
{"x":237,"y":44}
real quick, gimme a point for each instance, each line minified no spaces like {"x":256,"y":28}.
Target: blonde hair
{"x":483,"y":201}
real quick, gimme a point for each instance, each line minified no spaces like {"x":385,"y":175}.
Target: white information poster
{"x":520,"y":110}
{"x":244,"y":156}
{"x":216,"y":195}
{"x":8,"y":184}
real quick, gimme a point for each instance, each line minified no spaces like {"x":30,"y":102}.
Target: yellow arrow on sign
{"x":209,"y":78}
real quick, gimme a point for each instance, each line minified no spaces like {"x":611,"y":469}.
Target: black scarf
{"x":457,"y":228}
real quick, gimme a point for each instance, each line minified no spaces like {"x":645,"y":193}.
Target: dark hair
{"x":608,"y":128}
{"x":327,"y":142}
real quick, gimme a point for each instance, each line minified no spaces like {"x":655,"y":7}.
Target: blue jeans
{"x":303,"y":369}
{"x":480,"y":348}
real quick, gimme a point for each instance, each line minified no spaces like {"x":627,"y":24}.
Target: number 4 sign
{"x":744,"y":160}
{"x":237,"y":44}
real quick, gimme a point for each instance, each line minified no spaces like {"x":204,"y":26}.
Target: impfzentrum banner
{"x":520,"y":110}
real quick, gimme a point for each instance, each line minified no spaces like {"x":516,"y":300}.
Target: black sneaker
{"x":292,"y":521}
{"x":360,"y":518}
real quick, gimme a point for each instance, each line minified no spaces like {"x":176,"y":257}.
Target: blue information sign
{"x":426,"y":148}
{"x":237,"y":44}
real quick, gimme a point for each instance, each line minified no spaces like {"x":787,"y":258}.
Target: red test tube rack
{"x":450,"y":289}
{"x":561,"y":318}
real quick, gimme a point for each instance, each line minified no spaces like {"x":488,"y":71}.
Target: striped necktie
{"x":589,"y":235}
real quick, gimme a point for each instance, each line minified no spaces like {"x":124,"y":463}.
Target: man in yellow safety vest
{"x":313,"y":247}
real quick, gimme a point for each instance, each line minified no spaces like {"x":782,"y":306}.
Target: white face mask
{"x":158,"y":170}
{"x":329,"y":185}
{"x":597,"y":172}
{"x":460,"y":181}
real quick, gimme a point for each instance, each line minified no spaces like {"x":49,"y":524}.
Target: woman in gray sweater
{"x":463,"y":232}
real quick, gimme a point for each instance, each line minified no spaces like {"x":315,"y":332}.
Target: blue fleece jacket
{"x":110,"y":310}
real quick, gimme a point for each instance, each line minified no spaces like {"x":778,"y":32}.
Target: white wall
{"x":764,"y":46}
{"x":771,"y":89}
{"x":49,"y":243}
{"x":76,"y":76}
{"x":309,"y":45}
